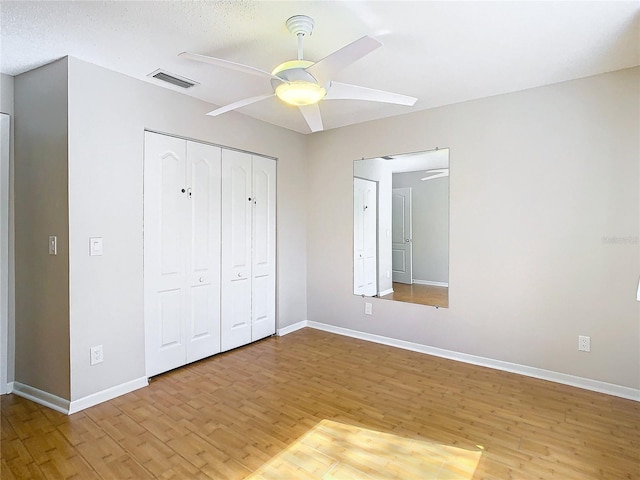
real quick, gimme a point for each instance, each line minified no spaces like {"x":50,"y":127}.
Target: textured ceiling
{"x":440,"y":52}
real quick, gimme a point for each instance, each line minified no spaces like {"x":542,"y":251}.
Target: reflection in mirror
{"x":401,"y":227}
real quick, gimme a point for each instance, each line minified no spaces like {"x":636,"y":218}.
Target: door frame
{"x":5,"y":132}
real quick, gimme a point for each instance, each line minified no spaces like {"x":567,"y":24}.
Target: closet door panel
{"x":203,"y":251}
{"x":171,"y":305}
{"x":264,"y":248}
{"x":164,"y":273}
{"x":236,"y":249}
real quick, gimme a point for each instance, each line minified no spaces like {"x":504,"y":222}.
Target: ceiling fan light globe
{"x":300,"y":94}
{"x":290,"y":65}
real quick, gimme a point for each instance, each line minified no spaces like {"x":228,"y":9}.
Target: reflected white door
{"x":365,"y":237}
{"x":181,"y":252}
{"x":401,"y":241}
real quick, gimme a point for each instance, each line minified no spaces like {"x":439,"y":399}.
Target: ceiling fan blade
{"x":239,"y":104}
{"x":344,"y":91}
{"x":311,"y":114}
{"x":325,"y":69}
{"x":230,"y":65}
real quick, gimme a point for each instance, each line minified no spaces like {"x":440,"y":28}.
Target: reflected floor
{"x":422,"y":294}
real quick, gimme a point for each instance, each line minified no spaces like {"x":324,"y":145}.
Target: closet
{"x":248,"y":248}
{"x":205,"y":250}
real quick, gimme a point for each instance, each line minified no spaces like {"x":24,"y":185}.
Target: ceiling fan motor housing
{"x":299,"y":87}
{"x":300,"y":24}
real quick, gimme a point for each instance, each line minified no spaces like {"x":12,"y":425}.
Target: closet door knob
{"x":239,"y":274}
{"x":201,"y":279}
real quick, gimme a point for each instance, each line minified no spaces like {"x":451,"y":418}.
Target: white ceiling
{"x":440,"y":52}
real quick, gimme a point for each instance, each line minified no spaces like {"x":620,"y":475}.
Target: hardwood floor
{"x":259,"y":406}
{"x":421,"y":294}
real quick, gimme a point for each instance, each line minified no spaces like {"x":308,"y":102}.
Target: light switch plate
{"x":95,"y":246}
{"x":53,"y":245}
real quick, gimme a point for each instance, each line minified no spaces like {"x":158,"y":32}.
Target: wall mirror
{"x":401,"y":227}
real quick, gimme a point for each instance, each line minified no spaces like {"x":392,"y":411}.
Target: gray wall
{"x":42,"y":280}
{"x":544,"y":227}
{"x":544,"y":222}
{"x":107,"y":115}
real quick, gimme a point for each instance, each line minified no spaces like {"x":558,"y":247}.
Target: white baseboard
{"x":65,"y":406}
{"x":291,"y":328}
{"x":108,"y":394}
{"x":388,"y":291}
{"x":41,"y":397}
{"x":563,"y":378}
{"x":428,"y":282}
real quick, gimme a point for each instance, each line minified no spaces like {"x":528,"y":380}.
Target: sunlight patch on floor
{"x":336,"y":451}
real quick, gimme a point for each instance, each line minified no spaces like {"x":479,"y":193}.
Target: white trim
{"x":563,"y":378}
{"x":65,"y":406}
{"x":43,"y":398}
{"x":5,"y":129}
{"x":291,"y":328}
{"x":429,"y":282}
{"x":108,"y":394}
{"x":388,"y":291}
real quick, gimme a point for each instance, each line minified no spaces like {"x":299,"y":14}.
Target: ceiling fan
{"x":435,"y":173}
{"x":303,"y":83}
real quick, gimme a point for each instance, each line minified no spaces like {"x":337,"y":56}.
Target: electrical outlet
{"x":97,"y":355}
{"x":368,"y":309}
{"x":584,"y":343}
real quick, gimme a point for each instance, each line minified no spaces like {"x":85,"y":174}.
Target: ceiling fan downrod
{"x":300,"y":25}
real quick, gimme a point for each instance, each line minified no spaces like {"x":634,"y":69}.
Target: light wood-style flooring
{"x":285,"y":402}
{"x":421,"y":294}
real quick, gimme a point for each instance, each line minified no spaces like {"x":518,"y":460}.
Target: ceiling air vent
{"x":173,"y":79}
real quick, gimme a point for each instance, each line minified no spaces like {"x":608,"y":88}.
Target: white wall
{"x":42,"y":280}
{"x":541,"y":182}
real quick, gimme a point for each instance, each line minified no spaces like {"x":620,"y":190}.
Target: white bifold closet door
{"x":182,"y":194}
{"x":248,"y":248}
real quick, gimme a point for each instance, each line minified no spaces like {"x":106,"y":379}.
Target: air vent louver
{"x":173,"y":79}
